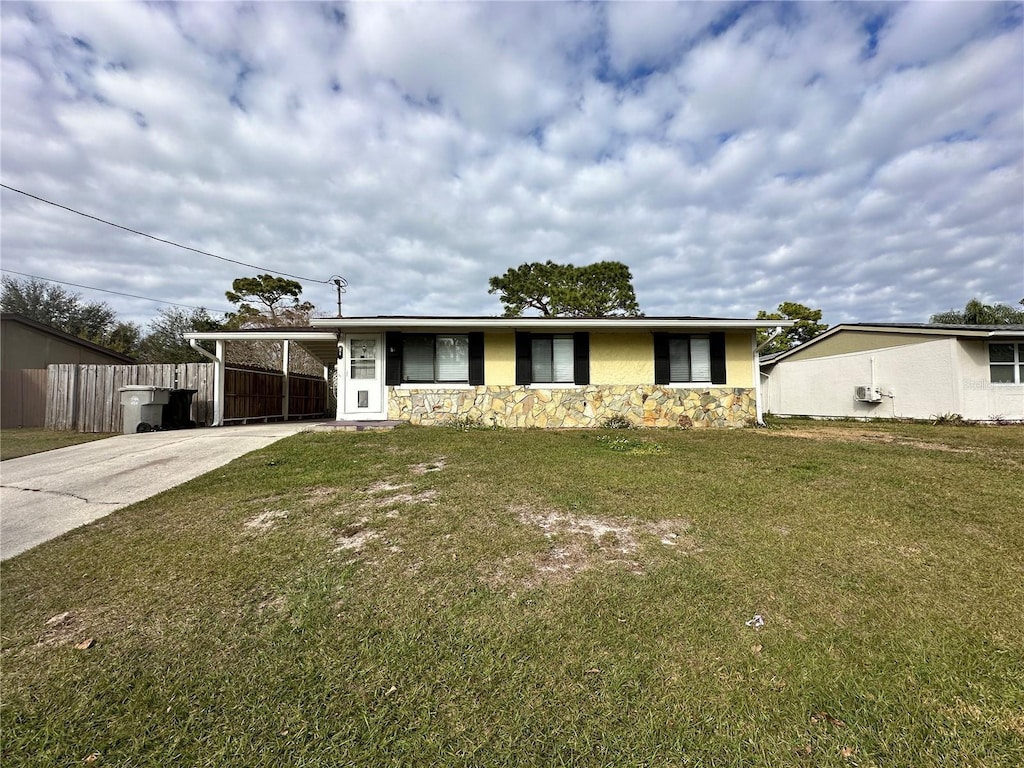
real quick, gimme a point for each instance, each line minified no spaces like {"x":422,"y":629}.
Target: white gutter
{"x":758,"y":409}
{"x":195,"y":345}
{"x":218,"y":378}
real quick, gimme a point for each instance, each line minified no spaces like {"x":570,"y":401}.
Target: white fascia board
{"x":370,"y":324}
{"x":267,"y":335}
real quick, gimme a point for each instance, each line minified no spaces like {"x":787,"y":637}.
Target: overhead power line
{"x":105,"y":290}
{"x":160,"y":239}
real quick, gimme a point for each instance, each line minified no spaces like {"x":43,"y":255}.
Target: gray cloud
{"x":864,"y":159}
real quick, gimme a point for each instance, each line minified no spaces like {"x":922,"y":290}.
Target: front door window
{"x":364,"y":358}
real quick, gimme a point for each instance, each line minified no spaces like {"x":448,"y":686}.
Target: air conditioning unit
{"x":867,"y":394}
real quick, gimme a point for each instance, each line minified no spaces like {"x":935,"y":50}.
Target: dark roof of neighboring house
{"x":936,"y":329}
{"x":14,"y":317}
{"x":1015,"y":327}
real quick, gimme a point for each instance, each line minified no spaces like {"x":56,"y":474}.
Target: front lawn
{"x":23,"y":442}
{"x":435,"y":597}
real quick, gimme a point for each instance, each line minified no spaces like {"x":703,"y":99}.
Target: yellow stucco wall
{"x":621,"y":358}
{"x":500,"y":359}
{"x":739,"y":359}
{"x":617,"y":359}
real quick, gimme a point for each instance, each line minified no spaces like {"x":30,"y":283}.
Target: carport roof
{"x":321,"y":344}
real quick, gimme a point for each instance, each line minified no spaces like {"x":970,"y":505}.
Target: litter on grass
{"x":757,"y":622}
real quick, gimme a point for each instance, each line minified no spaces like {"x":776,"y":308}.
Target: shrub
{"x":949,"y":420}
{"x":618,"y":421}
{"x":468,"y":423}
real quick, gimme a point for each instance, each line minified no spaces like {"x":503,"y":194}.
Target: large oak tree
{"x":604,"y":289}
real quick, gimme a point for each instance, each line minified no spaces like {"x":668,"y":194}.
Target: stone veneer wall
{"x":589,"y":406}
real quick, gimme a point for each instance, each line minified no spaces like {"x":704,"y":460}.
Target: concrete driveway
{"x":47,"y":494}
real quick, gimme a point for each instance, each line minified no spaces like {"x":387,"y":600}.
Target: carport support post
{"x":284,"y":388}
{"x":218,"y":386}
{"x":339,"y":374}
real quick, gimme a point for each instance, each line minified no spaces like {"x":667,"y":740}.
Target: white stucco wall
{"x":982,"y":399}
{"x":947,"y":375}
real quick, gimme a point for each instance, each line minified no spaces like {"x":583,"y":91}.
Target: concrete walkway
{"x":47,"y":494}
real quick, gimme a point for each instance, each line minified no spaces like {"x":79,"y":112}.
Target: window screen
{"x":430,"y":358}
{"x":552,"y":359}
{"x":689,"y":358}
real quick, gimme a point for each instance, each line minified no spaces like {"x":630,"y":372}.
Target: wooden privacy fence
{"x":250,"y":394}
{"x":23,"y":398}
{"x":87,"y":398}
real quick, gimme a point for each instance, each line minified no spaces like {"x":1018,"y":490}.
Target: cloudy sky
{"x":865,"y":159}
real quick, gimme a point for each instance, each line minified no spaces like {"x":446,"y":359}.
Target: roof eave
{"x":367,"y":324}
{"x":282,"y":334}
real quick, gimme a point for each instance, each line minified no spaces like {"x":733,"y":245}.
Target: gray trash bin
{"x":142,"y":407}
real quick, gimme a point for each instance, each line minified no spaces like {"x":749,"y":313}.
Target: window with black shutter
{"x":550,"y":358}
{"x":689,"y":358}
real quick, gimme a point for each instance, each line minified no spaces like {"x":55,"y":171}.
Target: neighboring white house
{"x":915,"y":371}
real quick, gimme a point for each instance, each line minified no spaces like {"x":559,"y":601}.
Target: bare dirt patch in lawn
{"x":323,"y":491}
{"x":582,"y":542}
{"x":428,"y":466}
{"x":846,"y":435}
{"x":66,"y":628}
{"x":403,"y":499}
{"x":388,"y":496}
{"x":355,"y":536}
{"x":1015,"y":723}
{"x":384,"y":486}
{"x":265,"y":521}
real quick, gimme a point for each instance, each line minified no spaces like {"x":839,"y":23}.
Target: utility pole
{"x":340,"y":283}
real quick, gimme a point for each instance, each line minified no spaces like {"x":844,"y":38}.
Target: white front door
{"x":363,"y":379}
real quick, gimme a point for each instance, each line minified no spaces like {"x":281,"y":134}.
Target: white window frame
{"x":553,"y":383}
{"x":435,"y":382}
{"x":1016,"y":366}
{"x":689,"y":339}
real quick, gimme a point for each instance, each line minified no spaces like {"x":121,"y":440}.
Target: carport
{"x":322,"y":345}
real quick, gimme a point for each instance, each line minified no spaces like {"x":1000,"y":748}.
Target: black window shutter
{"x":524,"y":359}
{"x":476,"y":359}
{"x":581,"y":357}
{"x":393,"y":358}
{"x":717,"y":358}
{"x":662,"y":365}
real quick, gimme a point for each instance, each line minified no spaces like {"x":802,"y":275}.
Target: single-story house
{"x":534,"y":371}
{"x":901,"y":370}
{"x":29,"y":344}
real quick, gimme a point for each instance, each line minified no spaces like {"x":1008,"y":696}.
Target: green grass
{"x":23,"y":442}
{"x":457,"y":630}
